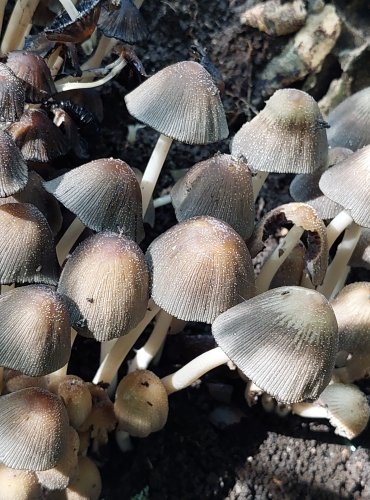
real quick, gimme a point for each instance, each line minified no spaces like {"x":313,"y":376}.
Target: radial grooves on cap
{"x":106,"y":284}
{"x":11,"y":95}
{"x":287,"y":136}
{"x":220,"y":187}
{"x":200,"y":268}
{"x":125,"y":24}
{"x":182,"y":102}
{"x":37,"y":137}
{"x":285,"y":340}
{"x":361,"y":254}
{"x":14,"y":170}
{"x":34,"y":72}
{"x":104,"y":194}
{"x":350,"y":122}
{"x":33,"y":429}
{"x":347,"y":183}
{"x":34,"y":330}
{"x":27,"y":253}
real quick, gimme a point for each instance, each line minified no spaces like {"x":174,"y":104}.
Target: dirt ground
{"x":259,"y":455}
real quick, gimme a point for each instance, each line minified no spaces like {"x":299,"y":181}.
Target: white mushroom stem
{"x":153,"y":169}
{"x":68,"y":239}
{"x":338,"y":266}
{"x":162,"y":200}
{"x":70,"y":9}
{"x":337,"y":226}
{"x":2,"y":10}
{"x":105,"y":349}
{"x":103,"y":48}
{"x":277,"y":257}
{"x":257,"y":182}
{"x":145,"y":355}
{"x":309,"y":410}
{"x":109,"y":367}
{"x":191,"y":372}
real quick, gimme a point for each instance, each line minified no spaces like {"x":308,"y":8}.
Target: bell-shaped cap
{"x":12,"y":95}
{"x":104,"y":194}
{"x":76,"y":398}
{"x":13,"y":168}
{"x":141,"y":404}
{"x":34,"y":72}
{"x":182,"y":102}
{"x":37,"y":137}
{"x":220,"y":187}
{"x":18,"y":484}
{"x":361,"y":254}
{"x":285,"y":340}
{"x":106,"y":283}
{"x":125,"y":24}
{"x":347,"y":183}
{"x":287,"y":136}
{"x":35,"y":194}
{"x":200,"y":268}
{"x":350,"y":122}
{"x":87,"y":484}
{"x":34,"y":330}
{"x":33,"y":429}
{"x":27,"y":252}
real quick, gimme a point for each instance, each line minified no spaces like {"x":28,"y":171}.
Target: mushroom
{"x":18,"y":484}
{"x":13,"y":172}
{"x":12,"y":95}
{"x":181,"y":102}
{"x":75,"y":394}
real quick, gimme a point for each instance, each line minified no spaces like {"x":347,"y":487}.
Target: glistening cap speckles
{"x":13,"y":168}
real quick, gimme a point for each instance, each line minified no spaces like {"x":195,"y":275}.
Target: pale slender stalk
{"x":18,"y":23}
{"x":161,"y":201}
{"x":153,"y":169}
{"x":338,"y":265}
{"x":68,"y":239}
{"x":109,"y":367}
{"x":277,"y":257}
{"x":55,"y":61}
{"x":145,"y":355}
{"x":103,"y":48}
{"x":70,"y":9}
{"x":257,"y":183}
{"x":191,"y":372}
{"x":337,"y":226}
{"x":2,"y":10}
{"x":105,"y":349}
{"x":341,"y":281}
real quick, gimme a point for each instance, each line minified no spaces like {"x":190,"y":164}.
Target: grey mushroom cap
{"x":182,"y":102}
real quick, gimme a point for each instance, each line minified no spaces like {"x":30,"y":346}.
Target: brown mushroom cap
{"x":106,"y":283}
{"x":220,"y":187}
{"x":200,"y":268}
{"x":141,"y":404}
{"x":104,"y":194}
{"x":285,"y":340}
{"x":287,"y":136}
{"x":76,"y":396}
{"x":18,"y":484}
{"x":182,"y":102}
{"x":12,"y":95}
{"x":34,"y":330}
{"x":33,"y":429}
{"x":347,"y":183}
{"x":27,"y":253}
{"x":34,"y":72}
{"x":13,"y":168}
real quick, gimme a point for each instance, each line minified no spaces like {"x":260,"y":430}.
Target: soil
{"x":254,"y":455}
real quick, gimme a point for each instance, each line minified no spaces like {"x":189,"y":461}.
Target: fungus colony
{"x":295,"y":332}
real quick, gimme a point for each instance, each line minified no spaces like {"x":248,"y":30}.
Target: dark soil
{"x":263,"y":455}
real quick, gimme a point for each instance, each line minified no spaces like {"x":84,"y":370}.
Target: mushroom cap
{"x":220,"y":187}
{"x":104,"y":194}
{"x":33,"y":429}
{"x":285,"y":340}
{"x":287,"y":136}
{"x":13,"y":168}
{"x":76,"y":397}
{"x":87,"y":484}
{"x":200,"y":267}
{"x":18,"y":484}
{"x":12,"y":95}
{"x":361,"y":254}
{"x":34,"y":72}
{"x":348,"y":183}
{"x":350,"y":122}
{"x":34,"y":330}
{"x":182,"y":102}
{"x":106,"y":284}
{"x":27,"y":253}
{"x":125,"y":24}
{"x":141,"y":404}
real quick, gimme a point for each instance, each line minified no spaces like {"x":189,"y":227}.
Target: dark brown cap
{"x":12,"y":95}
{"x":125,"y":24}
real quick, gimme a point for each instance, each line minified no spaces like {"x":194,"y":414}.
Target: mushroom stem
{"x":122,"y":347}
{"x":337,"y":226}
{"x":153,"y":169}
{"x":70,"y":9}
{"x":338,"y":265}
{"x":105,"y":349}
{"x":104,"y":46}
{"x":278,"y":256}
{"x":257,"y":182}
{"x":194,"y":370}
{"x":150,"y":349}
{"x":18,"y":24}
{"x":2,"y":10}
{"x":68,"y":239}
{"x":162,"y":200}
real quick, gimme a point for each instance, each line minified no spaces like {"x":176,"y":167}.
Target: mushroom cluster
{"x":274,"y":291}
